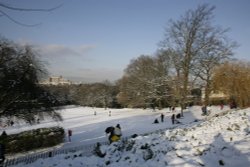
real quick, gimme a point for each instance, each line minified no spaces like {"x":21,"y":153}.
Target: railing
{"x":26,"y":159}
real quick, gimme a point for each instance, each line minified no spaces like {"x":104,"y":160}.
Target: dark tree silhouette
{"x":20,"y":94}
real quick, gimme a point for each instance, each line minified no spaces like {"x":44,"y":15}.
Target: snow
{"x":198,"y":141}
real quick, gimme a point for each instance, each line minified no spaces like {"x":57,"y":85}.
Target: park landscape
{"x":197,"y":71}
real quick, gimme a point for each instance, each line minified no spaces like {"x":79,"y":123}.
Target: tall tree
{"x":176,"y":78}
{"x":211,"y":57}
{"x":144,"y":83}
{"x":20,"y":94}
{"x":134,"y":84}
{"x":190,"y":37}
{"x":96,"y":94}
{"x":233,"y":79}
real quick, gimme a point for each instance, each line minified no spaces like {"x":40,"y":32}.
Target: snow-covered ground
{"x":219,"y":141}
{"x":89,"y":128}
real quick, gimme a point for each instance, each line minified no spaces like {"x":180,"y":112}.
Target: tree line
{"x":193,"y":55}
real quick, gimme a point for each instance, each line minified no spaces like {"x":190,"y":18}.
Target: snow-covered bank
{"x":220,"y":141}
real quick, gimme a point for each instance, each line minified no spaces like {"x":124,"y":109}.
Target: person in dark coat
{"x":156,"y":121}
{"x":233,"y":105}
{"x":178,"y":116}
{"x":204,"y":110}
{"x":173,"y":118}
{"x":110,"y":131}
{"x":162,"y":117}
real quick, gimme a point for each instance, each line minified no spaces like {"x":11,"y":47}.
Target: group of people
{"x":114,"y":133}
{"x":174,"y":118}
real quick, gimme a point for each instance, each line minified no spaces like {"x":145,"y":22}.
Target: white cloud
{"x":76,"y":63}
{"x":86,"y":48}
{"x":55,"y":50}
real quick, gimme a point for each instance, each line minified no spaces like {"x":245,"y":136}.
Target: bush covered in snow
{"x":33,"y":139}
{"x":210,"y":143}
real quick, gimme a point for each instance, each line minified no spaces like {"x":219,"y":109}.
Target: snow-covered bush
{"x":33,"y":139}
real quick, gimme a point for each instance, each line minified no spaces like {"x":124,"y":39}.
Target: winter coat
{"x":173,"y":116}
{"x":117,"y":131}
{"x":110,"y":130}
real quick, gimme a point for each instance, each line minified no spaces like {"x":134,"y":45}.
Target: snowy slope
{"x":220,"y":141}
{"x":89,"y":128}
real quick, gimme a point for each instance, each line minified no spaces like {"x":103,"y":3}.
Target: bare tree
{"x":190,"y":38}
{"x":218,"y":52}
{"x":6,"y":8}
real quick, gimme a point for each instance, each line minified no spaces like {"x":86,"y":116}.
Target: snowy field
{"x":219,"y":141}
{"x":89,"y":128}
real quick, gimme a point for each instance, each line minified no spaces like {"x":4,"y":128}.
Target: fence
{"x":26,"y":159}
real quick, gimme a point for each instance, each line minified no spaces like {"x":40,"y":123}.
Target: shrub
{"x":33,"y":139}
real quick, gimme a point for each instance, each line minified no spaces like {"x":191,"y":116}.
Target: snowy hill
{"x":219,"y":141}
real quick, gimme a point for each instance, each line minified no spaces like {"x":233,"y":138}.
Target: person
{"x":178,"y":116}
{"x":11,"y":123}
{"x":2,"y":154}
{"x":233,"y":105}
{"x":4,"y":134}
{"x":109,"y":113}
{"x":117,"y":131}
{"x":156,"y":121}
{"x":204,"y":110}
{"x":173,"y":109}
{"x":112,"y":136}
{"x":209,"y":110}
{"x":162,"y":117}
{"x":221,"y":106}
{"x":69,"y":134}
{"x":173,"y":118}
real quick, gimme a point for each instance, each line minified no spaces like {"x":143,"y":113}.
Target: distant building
{"x":215,"y":95}
{"x":56,"y":81}
{"x":218,"y":95}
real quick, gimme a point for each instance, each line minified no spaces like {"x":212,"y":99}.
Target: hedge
{"x":33,"y":139}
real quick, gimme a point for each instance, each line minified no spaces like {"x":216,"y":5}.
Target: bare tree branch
{"x":8,"y":7}
{"x":29,"y":9}
{"x":17,"y":22}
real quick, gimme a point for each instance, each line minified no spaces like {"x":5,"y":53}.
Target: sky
{"x":92,"y":41}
